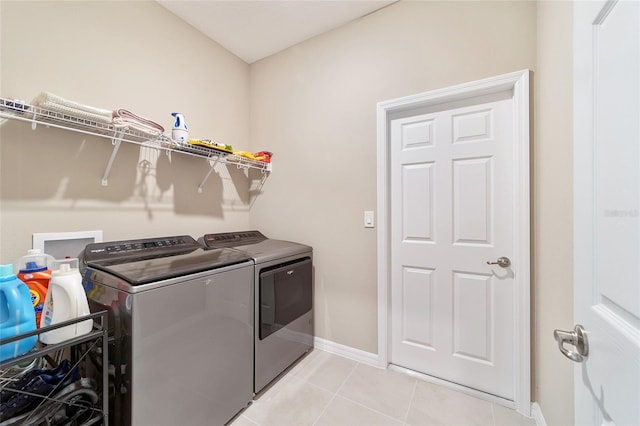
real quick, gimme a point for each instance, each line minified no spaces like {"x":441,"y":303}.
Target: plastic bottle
{"x":33,"y":270}
{"x":65,"y":300}
{"x":16,"y":314}
{"x":179,"y":133}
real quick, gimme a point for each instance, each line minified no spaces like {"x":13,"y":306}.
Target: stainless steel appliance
{"x":283,"y":299}
{"x":180,"y":327}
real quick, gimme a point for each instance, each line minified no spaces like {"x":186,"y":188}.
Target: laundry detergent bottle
{"x":179,"y":133}
{"x":16,"y":314}
{"x":33,"y":270}
{"x":65,"y":301}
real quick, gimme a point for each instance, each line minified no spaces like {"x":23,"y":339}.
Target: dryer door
{"x":285,"y":295}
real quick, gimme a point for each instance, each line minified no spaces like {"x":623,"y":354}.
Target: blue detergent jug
{"x":17,"y":315}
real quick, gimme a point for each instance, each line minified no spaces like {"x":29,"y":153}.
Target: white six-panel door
{"x":607,"y":210}
{"x":452,"y":210}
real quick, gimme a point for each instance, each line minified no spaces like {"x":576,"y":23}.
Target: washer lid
{"x":155,"y":259}
{"x":268,"y":250}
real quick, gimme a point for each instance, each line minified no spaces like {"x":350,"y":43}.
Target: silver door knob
{"x":577,"y":338}
{"x":501,"y":261}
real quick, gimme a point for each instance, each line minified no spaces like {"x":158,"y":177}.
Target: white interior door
{"x":452,"y":211}
{"x":607,"y":210}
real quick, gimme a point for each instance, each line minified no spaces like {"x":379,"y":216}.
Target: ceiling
{"x":255,"y":29}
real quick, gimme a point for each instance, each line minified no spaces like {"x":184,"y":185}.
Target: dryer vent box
{"x":62,"y":245}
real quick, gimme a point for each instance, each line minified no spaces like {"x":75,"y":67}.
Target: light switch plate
{"x":369,"y":221}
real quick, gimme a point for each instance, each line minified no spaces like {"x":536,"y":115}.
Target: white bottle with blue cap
{"x":66,"y":300}
{"x":179,"y":133}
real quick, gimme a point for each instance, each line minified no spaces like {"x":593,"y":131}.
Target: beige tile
{"x":325,"y":370}
{"x":437,"y":405}
{"x":504,"y":416}
{"x":305,"y":359}
{"x":292,"y":402}
{"x":342,"y":412}
{"x":385,"y":391}
{"x":366,"y":396}
{"x":242,"y":421}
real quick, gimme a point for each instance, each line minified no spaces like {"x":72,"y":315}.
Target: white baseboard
{"x":536,"y":414}
{"x":347,"y":352}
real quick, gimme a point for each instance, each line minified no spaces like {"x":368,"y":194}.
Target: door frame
{"x":518,"y":82}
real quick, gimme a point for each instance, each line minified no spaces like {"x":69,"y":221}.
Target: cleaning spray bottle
{"x":65,"y":300}
{"x":16,"y":314}
{"x":33,"y":270}
{"x":179,"y":133}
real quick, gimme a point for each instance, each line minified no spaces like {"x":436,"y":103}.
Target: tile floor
{"x":329,"y":390}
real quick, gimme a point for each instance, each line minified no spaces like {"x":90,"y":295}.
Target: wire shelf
{"x":21,"y":111}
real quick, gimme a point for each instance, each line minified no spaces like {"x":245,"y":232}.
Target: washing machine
{"x":180,"y":329}
{"x":283,"y":309}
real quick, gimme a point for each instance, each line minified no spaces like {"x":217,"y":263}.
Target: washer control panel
{"x":229,"y":239}
{"x":143,"y":247}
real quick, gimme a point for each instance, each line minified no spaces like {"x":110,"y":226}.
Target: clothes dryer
{"x":283,"y":309}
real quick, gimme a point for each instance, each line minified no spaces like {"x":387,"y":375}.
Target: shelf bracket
{"x":242,"y":166}
{"x":34,"y":122}
{"x":208,"y":174}
{"x":116,"y":141}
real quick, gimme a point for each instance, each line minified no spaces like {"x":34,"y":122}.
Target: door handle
{"x":503,"y":262}
{"x":577,"y":338}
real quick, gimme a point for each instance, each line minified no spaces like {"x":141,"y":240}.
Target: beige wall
{"x":553,"y":209}
{"x":314,"y":105}
{"x":132,"y":55}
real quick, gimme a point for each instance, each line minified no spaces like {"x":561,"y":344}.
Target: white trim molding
{"x":347,"y":352}
{"x":518,"y":83}
{"x":536,"y":414}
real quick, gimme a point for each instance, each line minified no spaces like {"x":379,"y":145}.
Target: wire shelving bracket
{"x":116,"y":142}
{"x":212,"y":164}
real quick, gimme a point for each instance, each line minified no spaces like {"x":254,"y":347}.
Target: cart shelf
{"x":96,"y":340}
